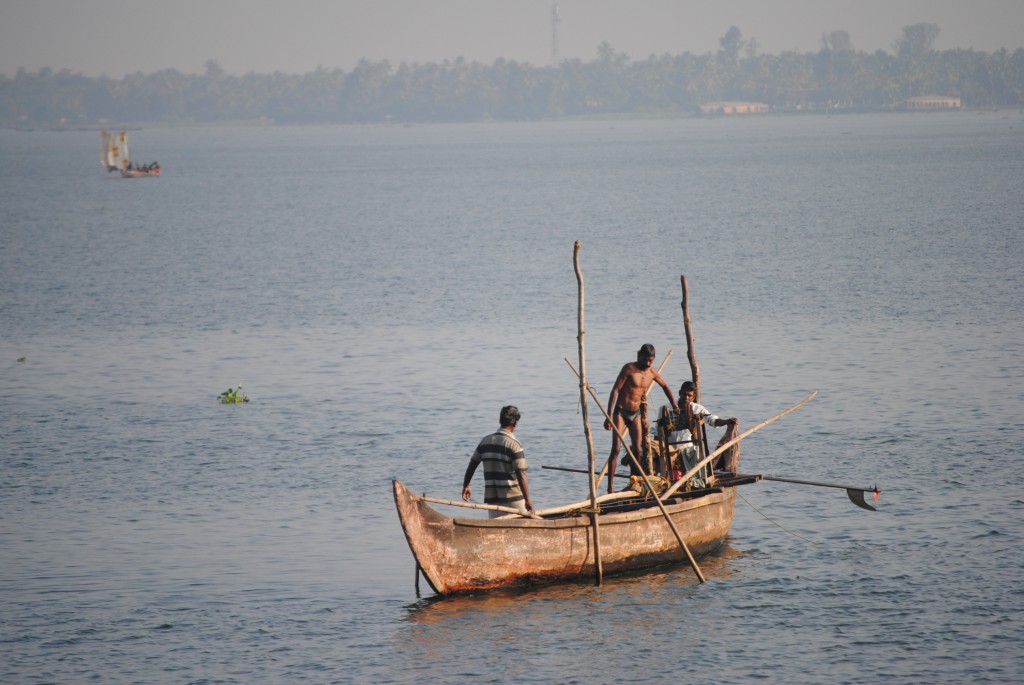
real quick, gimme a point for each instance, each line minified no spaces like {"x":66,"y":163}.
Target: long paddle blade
{"x":857,"y":497}
{"x":855,"y":494}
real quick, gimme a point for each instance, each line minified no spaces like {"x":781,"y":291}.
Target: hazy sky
{"x":115,"y":37}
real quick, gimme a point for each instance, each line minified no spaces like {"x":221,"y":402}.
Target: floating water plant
{"x":233,"y":396}
{"x":22,"y":360}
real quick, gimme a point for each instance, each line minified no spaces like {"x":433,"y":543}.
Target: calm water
{"x":380,"y":292}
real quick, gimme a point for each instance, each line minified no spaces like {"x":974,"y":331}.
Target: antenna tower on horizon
{"x":554,"y":33}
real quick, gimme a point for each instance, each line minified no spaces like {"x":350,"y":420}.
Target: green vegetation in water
{"x":233,"y":396}
{"x":22,"y":360}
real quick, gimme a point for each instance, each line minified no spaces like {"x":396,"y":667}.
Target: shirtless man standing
{"x":624,"y":403}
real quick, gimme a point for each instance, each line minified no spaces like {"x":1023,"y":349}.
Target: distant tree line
{"x":836,"y":76}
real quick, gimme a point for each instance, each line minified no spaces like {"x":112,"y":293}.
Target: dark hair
{"x":647,"y":350}
{"x":686,"y":387}
{"x":509,"y":416}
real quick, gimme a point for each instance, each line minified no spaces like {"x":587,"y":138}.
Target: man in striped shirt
{"x":504,"y":467}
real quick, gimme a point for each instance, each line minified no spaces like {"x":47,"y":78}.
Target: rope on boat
{"x":813,"y":542}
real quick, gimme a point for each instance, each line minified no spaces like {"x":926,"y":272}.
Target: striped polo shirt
{"x":501,"y":455}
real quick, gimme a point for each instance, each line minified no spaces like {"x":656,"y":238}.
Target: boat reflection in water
{"x":656,"y":583}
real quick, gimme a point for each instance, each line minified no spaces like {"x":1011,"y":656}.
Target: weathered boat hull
{"x":466,"y":554}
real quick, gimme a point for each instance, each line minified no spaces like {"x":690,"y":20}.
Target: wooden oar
{"x":689,"y":474}
{"x":855,"y":494}
{"x":647,"y":482}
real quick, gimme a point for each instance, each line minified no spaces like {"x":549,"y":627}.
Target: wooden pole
{"x":473,"y":505}
{"x":570,"y":470}
{"x":690,"y":352}
{"x":613,"y":497}
{"x":647,"y":482}
{"x":598,"y":570}
{"x":645,"y":430}
{"x":646,"y":425}
{"x":707,"y":448}
{"x":700,"y":441}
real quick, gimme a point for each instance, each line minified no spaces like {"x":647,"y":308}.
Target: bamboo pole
{"x":601,"y":499}
{"x":571,"y":470}
{"x":474,"y":505}
{"x":646,"y":426}
{"x":689,"y":474}
{"x":647,"y":482}
{"x":598,"y":570}
{"x":645,"y":430}
{"x":701,"y":441}
{"x":691,"y":354}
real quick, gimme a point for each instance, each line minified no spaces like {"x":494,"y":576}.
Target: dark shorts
{"x":629,"y":416}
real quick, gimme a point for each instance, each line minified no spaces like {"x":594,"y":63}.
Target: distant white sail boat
{"x":114,"y":157}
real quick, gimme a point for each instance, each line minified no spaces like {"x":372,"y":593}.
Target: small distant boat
{"x":114,"y":157}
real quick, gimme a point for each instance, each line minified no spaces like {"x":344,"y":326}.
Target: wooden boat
{"x":458,"y":555}
{"x":114,"y":157}
{"x":143,"y":171}
{"x":633,"y":532}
